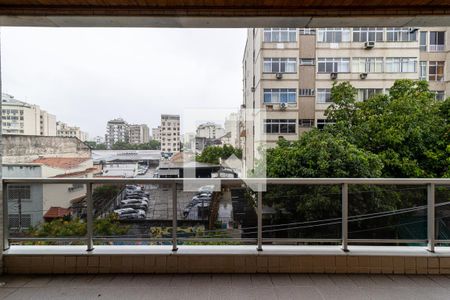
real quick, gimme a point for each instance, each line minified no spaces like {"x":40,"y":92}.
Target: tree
{"x":212,"y":154}
{"x":321,"y":154}
{"x":403,"y":134}
{"x":405,"y":128}
{"x":94,"y":146}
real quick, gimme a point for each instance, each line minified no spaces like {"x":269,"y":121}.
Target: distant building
{"x":156,"y":134}
{"x":22,"y":118}
{"x":232,"y":130}
{"x":210,"y":130}
{"x":170,"y":133}
{"x":64,"y":130}
{"x":139,"y":134}
{"x":188,"y":141}
{"x":98,"y":140}
{"x":117,"y":130}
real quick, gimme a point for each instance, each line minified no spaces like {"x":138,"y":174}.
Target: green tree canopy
{"x":212,"y":154}
{"x":321,"y":154}
{"x":407,"y":128}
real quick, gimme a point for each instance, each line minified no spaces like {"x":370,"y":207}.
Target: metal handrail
{"x":260,"y":184}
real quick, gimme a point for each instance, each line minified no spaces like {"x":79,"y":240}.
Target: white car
{"x":206,"y":188}
{"x":142,"y":201}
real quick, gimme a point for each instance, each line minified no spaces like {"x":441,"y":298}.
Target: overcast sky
{"x":89,"y":76}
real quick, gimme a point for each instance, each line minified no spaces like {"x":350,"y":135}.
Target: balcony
{"x":241,"y":231}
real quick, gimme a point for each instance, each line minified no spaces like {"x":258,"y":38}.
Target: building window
{"x":423,"y":41}
{"x":364,"y":34}
{"x":367,"y":65}
{"x":307,"y":31}
{"x":439,"y":95}
{"x":364,"y":94}
{"x":16,"y":192}
{"x":279,"y":126}
{"x":306,"y":122}
{"x":280,"y":96}
{"x":333,"y":35}
{"x":333,"y":65}
{"x":437,"y":41}
{"x":423,"y":70}
{"x":322,"y":122}
{"x":306,"y":92}
{"x":400,"y":65}
{"x":397,"y":34}
{"x":323,"y":96}
{"x":280,"y":65}
{"x":24,"y":220}
{"x":280,"y":35}
{"x":436,"y":70}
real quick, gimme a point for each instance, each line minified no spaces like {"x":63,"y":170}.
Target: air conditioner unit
{"x":253,"y":89}
{"x":279,"y":75}
{"x":363,"y":75}
{"x":333,"y":75}
{"x":369,"y":44}
{"x":283,"y":106}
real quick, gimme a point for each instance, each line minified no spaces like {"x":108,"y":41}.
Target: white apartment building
{"x":117,"y":130}
{"x":156,"y":134}
{"x":210,"y":130}
{"x":170,"y":133}
{"x":232,"y":127}
{"x":289,"y":72}
{"x":19,"y":117}
{"x":139,"y":134}
{"x":64,"y":130}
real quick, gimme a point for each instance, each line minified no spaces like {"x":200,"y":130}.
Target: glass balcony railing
{"x":284,"y":211}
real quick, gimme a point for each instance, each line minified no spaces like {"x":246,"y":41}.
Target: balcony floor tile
{"x":225,"y":286}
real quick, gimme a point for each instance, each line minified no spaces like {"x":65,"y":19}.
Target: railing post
{"x":259,"y":210}
{"x":174,"y":217}
{"x":431,"y":217}
{"x":89,"y":218}
{"x":345,"y":217}
{"x":5,"y":216}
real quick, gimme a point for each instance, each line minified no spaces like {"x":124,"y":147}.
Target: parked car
{"x":135,"y":205}
{"x":137,"y":194}
{"x":123,"y":202}
{"x":206,"y":188}
{"x":130,"y":214}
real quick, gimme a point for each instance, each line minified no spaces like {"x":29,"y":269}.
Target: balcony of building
{"x":246,"y":226}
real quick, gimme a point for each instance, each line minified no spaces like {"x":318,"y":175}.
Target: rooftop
{"x":61,"y":162}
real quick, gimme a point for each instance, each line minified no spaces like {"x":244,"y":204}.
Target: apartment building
{"x":289,"y":72}
{"x":64,"y":130}
{"x":232,"y":128}
{"x":117,"y":130}
{"x":19,"y":117}
{"x":210,"y":130}
{"x":139,"y":134}
{"x":170,"y":133}
{"x":156,"y":134}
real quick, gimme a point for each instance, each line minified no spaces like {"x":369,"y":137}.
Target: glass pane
{"x":387,"y":212}
{"x":301,"y":212}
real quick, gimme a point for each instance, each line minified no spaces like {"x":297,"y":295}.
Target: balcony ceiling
{"x":224,"y":13}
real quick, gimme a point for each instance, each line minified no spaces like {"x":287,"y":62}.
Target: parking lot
{"x":160,"y":206}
